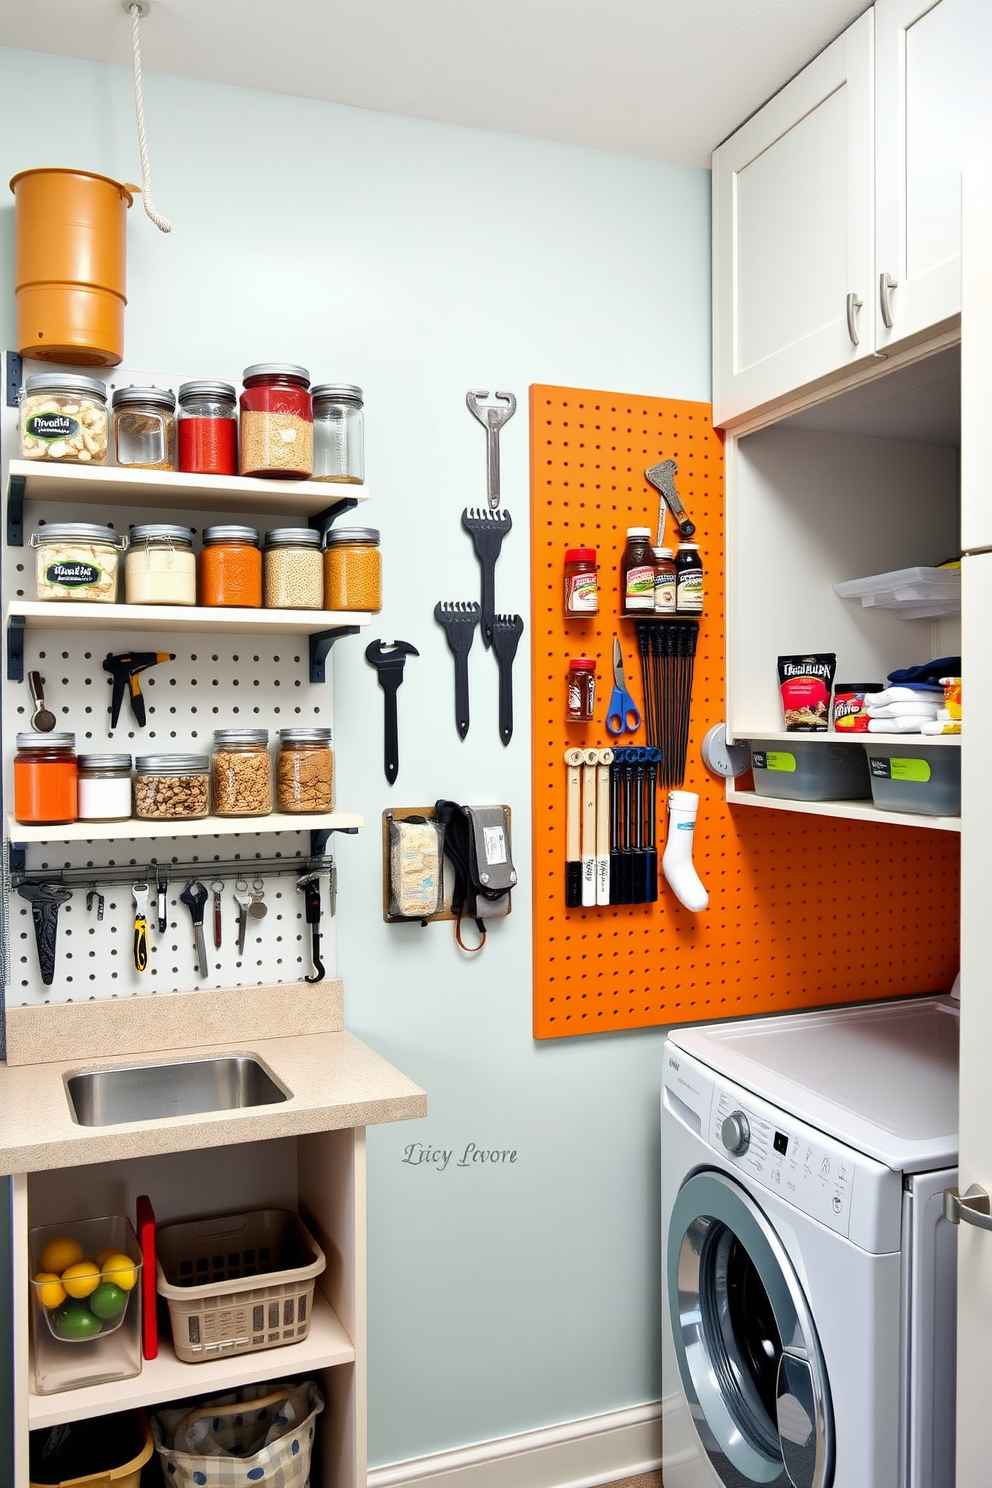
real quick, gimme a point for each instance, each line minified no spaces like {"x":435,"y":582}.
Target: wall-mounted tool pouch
{"x":416,"y":880}
{"x":477,"y":843}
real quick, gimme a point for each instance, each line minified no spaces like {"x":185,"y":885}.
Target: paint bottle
{"x":688,"y":580}
{"x":664,"y":581}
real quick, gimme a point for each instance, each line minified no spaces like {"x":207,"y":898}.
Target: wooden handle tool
{"x":603,"y":825}
{"x":573,"y":819}
{"x":589,"y":757}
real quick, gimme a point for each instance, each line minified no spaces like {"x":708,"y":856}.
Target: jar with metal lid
{"x":293,"y":569}
{"x":581,"y":589}
{"x":160,"y":567}
{"x":352,"y":569}
{"x":305,"y":770}
{"x":338,"y":433}
{"x":63,"y":417}
{"x":231,"y":567}
{"x":145,"y":428}
{"x":104,"y":787}
{"x":277,"y":422}
{"x":241,"y":774}
{"x":207,"y":428}
{"x":580,"y":698}
{"x":77,"y":560}
{"x":664,"y":581}
{"x":171,"y":786}
{"x":45,"y":779}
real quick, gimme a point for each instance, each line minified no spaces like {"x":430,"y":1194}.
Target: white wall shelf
{"x":831,"y":736}
{"x":203,"y":826}
{"x":864,"y":811}
{"x":80,"y":615}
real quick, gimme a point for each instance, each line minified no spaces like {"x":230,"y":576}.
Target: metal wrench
{"x":194,"y":896}
{"x":492,"y":417}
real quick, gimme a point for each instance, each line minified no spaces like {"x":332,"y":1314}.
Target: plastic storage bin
{"x":916,"y":593}
{"x":102,"y":1451}
{"x":237,"y":1282}
{"x":799,"y":770}
{"x":913,"y":777}
{"x":109,"y":1348}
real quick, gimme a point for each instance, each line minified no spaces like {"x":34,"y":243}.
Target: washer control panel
{"x":735,"y":1133}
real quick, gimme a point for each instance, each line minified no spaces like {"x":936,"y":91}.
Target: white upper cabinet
{"x":933,"y":118}
{"x":793,"y":218}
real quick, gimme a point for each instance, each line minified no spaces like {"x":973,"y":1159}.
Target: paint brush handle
{"x":573,"y":821}
{"x":588,"y":836}
{"x":603,"y":834}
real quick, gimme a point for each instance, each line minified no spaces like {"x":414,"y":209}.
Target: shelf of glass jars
{"x":321,"y":502}
{"x":199,"y":826}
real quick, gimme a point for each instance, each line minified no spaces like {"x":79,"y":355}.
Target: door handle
{"x":886,"y":284}
{"x":974,"y":1207}
{"x":853,"y":306}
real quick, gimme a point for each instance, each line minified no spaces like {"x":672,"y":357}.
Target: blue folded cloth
{"x":926,"y":677}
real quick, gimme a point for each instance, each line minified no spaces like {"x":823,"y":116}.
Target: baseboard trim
{"x":577,"y":1454}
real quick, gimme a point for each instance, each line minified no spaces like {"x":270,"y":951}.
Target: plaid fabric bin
{"x":260,"y":1436}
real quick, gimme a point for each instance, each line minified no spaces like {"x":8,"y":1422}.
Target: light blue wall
{"x":420,"y":260}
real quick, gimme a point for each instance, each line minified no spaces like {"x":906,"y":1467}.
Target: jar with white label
{"x":77,"y":560}
{"x":64,"y":419}
{"x":160,"y":568}
{"x":104,"y":787}
{"x":637,"y":573}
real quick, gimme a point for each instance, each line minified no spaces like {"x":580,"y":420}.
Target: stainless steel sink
{"x":147,"y":1092}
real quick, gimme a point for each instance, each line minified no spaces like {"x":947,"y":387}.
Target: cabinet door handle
{"x":973,"y":1207}
{"x":886,"y":284}
{"x":853,"y":306}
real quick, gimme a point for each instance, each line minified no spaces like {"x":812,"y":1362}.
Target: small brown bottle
{"x":637,"y":573}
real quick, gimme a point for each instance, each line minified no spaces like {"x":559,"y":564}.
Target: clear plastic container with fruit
{"x":85,"y":1303}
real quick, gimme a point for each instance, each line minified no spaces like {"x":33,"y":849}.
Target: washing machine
{"x":809,"y":1277}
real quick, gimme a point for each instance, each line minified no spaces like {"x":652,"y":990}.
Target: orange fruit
{"x":60,"y":1253}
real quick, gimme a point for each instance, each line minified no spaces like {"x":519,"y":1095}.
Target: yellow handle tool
{"x":140,"y":893}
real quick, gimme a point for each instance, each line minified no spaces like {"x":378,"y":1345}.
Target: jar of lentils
{"x":231,"y":567}
{"x":104,"y":787}
{"x":277,"y":422}
{"x":305,"y":770}
{"x":352,"y":569}
{"x":160,"y":568}
{"x":145,"y":428}
{"x":338,"y":433}
{"x":293,"y":571}
{"x":241,"y":775}
{"x":208,"y":428}
{"x":173,"y":787}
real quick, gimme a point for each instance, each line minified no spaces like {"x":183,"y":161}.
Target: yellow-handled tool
{"x":140,"y":894}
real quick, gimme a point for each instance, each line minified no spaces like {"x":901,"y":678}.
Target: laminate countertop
{"x":294,"y":1029}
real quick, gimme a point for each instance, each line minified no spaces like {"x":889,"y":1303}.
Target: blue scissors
{"x":623,"y":716}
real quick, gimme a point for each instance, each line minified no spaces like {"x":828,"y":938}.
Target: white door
{"x":933,"y":117}
{"x":792,"y":226}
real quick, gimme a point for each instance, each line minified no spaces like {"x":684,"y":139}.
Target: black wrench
{"x":309,"y":886}
{"x":388,"y":658}
{"x":45,"y":900}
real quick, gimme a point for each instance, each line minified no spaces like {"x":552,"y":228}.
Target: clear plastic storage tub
{"x":914,"y":777}
{"x":800,"y":770}
{"x":915,"y":593}
{"x":86,"y":1308}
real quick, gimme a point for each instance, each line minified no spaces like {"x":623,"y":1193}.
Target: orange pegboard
{"x":804,"y":911}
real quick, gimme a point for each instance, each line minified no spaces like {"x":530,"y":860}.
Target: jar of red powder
{"x":277,"y":422}
{"x":45,"y":779}
{"x":231,"y":567}
{"x":208,"y":428}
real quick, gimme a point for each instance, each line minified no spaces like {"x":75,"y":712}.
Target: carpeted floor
{"x":643,"y":1480}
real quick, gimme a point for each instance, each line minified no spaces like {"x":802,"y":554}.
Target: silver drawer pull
{"x":853,"y":306}
{"x":972,"y":1207}
{"x":886,"y":284}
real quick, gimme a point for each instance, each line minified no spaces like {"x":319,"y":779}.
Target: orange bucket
{"x":69,"y":266}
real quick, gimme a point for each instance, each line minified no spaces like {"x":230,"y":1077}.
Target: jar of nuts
{"x":305,"y":770}
{"x":171,"y":786}
{"x":352,"y":569}
{"x":64,"y":418}
{"x":77,"y":560}
{"x":242,"y":772}
{"x":294,"y":572}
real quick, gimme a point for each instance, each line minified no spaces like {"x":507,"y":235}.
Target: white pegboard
{"x":215,"y":681}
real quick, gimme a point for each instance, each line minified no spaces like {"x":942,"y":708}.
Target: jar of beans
{"x":104,"y":787}
{"x":171,"y":786}
{"x":45,"y":779}
{"x":293,"y":569}
{"x":241,"y":775}
{"x":160,"y":568}
{"x":338,"y":433}
{"x":305,"y":770}
{"x":231,"y":567}
{"x":352,"y":569}
{"x":145,"y":428}
{"x":277,"y":422}
{"x":208,"y":428}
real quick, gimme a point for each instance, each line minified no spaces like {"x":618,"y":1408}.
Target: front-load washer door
{"x":747,"y":1350}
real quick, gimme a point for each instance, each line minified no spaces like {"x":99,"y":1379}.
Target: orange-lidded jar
{"x":45,"y":779}
{"x":231,"y":567}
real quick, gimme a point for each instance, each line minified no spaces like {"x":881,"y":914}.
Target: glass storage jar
{"x":305,"y":770}
{"x":231,"y":567}
{"x":580,"y":697}
{"x":145,"y":428}
{"x":172,"y":786}
{"x":77,"y":560}
{"x":104,"y":787}
{"x":352,"y":569}
{"x":64,"y":418}
{"x":241,"y":774}
{"x":293,"y":569}
{"x":338,"y":433}
{"x":45,"y":779}
{"x":160,"y":568}
{"x":207,"y":428}
{"x":581,"y":587}
{"x":277,"y":422}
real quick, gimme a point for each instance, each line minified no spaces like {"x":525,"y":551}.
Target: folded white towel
{"x":897,"y":725}
{"x":920,"y":709}
{"x":902,"y":695}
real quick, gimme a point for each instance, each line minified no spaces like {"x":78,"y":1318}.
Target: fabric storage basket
{"x":799,"y":770}
{"x":98,"y":1452}
{"x":237,"y":1282}
{"x":261,"y":1434}
{"x":913,"y":777}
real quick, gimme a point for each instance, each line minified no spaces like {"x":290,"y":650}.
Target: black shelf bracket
{"x":15,"y":648}
{"x":320,"y":643}
{"x":319,"y":837}
{"x":15,"y":511}
{"x":15,"y":376}
{"x":16,"y":857}
{"x":321,"y":520}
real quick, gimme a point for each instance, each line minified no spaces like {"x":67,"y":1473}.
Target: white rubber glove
{"x":677,"y":864}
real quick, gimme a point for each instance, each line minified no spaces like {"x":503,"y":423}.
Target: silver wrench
{"x":492,"y":417}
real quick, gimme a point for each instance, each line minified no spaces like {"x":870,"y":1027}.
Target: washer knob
{"x":735,"y":1133}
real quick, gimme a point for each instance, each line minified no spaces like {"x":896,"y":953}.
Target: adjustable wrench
{"x":492,"y":417}
{"x":388,"y":658}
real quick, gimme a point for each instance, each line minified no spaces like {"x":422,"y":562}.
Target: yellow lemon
{"x":50,"y":1289}
{"x":60,"y":1253}
{"x":105,"y":1255}
{"x":81,"y":1279}
{"x":121,"y":1270}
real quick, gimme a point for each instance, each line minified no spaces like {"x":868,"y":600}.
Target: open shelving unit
{"x":202,"y":826}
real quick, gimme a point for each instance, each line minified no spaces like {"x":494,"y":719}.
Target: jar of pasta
{"x":77,"y":560}
{"x":305,"y":770}
{"x":294,"y":572}
{"x":64,"y":418}
{"x":45,"y":779}
{"x":160,"y":568}
{"x":171,"y":786}
{"x":231,"y":567}
{"x":277,"y":422}
{"x":352,"y":569}
{"x":338,"y":433}
{"x":145,"y":428}
{"x":241,"y":775}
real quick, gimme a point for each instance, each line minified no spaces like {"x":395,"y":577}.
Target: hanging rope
{"x":162,"y":223}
